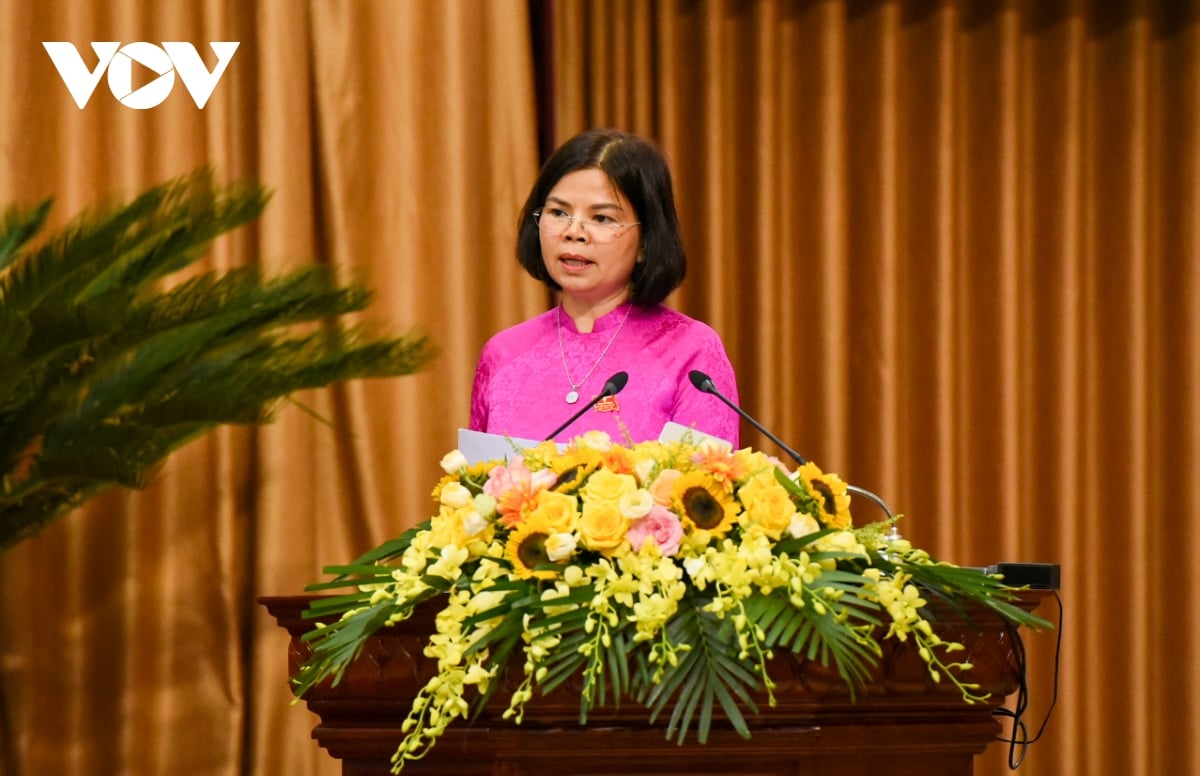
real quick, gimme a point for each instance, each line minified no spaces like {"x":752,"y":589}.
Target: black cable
{"x":1018,"y":740}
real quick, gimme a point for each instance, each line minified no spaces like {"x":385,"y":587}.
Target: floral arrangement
{"x":669,"y":572}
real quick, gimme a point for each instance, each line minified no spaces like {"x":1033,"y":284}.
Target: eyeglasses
{"x":554,"y":221}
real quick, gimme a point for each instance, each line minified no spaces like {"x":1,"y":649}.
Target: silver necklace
{"x":573,"y":394}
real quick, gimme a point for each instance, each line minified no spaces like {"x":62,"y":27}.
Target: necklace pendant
{"x":572,"y":397}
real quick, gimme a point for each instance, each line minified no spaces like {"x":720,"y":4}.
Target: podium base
{"x":901,"y":723}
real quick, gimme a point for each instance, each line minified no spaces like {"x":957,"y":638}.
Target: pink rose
{"x":661,"y":527}
{"x":515,"y":488}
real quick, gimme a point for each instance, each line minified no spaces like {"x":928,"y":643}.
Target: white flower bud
{"x":560,"y":546}
{"x":484,"y":505}
{"x":643,"y":470}
{"x":596,"y":440}
{"x":455,"y":495}
{"x":453,"y":462}
{"x":474,"y":523}
{"x":802,"y":524}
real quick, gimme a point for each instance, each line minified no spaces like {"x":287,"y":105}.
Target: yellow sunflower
{"x":541,"y":456}
{"x":573,"y":467}
{"x":526,"y":549}
{"x":703,"y":505}
{"x":829,"y":491}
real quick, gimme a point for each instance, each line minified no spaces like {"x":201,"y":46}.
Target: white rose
{"x":597,"y":440}
{"x":474,"y":523}
{"x":637,"y":504}
{"x":643,"y":469}
{"x":455,"y":495}
{"x":453,"y":462}
{"x":803,"y":524}
{"x":560,"y":546}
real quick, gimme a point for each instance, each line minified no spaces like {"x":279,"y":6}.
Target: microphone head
{"x":701,"y":381}
{"x":615,"y":383}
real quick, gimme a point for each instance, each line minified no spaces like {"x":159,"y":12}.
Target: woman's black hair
{"x":639,"y":171}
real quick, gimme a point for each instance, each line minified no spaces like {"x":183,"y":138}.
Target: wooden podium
{"x":901,"y":724}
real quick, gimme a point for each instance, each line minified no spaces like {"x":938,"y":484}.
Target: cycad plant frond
{"x":104,"y":371}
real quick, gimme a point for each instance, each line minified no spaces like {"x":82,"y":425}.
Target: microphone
{"x":612,"y":387}
{"x":705,"y":384}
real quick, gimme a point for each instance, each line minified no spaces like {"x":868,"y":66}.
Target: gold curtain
{"x":951,"y":247}
{"x":399,"y":139}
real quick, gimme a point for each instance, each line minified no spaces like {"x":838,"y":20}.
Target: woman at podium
{"x":600,"y":228}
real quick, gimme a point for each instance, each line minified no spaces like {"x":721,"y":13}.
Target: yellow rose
{"x":768,"y":507}
{"x":558,"y":511}
{"x":461,"y":528}
{"x":606,"y":488}
{"x":602,"y":527}
{"x":446,"y":528}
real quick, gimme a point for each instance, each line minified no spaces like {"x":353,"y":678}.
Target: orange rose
{"x":663,"y":487}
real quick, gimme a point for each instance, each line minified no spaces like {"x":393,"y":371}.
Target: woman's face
{"x":592,"y":262}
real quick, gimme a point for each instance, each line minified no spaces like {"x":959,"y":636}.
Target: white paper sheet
{"x":480,"y":446}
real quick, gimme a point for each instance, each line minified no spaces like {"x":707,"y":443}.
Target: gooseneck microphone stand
{"x":704,"y":383}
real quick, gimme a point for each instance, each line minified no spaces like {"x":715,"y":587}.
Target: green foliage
{"x":692,"y":635}
{"x":707,"y":674}
{"x":105,"y":369}
{"x":834,"y":627}
{"x":951,"y":585}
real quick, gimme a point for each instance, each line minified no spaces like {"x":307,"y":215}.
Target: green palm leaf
{"x":952,"y":585}
{"x":17,"y":227}
{"x":706,"y":675}
{"x":106,"y":370}
{"x":823,"y":630}
{"x":336,"y":646}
